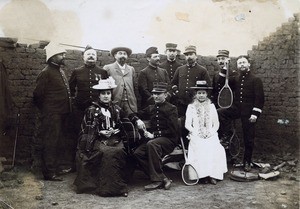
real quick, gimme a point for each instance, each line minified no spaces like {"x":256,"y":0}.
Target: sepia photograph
{"x":128,"y":104}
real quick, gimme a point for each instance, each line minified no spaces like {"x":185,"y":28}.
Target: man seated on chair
{"x":160,"y":139}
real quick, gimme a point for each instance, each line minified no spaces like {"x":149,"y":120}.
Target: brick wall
{"x":275,"y":60}
{"x":24,"y":63}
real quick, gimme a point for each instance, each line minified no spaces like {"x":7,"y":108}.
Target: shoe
{"x":213,"y":181}
{"x":247,"y":167}
{"x":154,"y":185}
{"x":125,"y":194}
{"x":65,"y":171}
{"x":167,"y":183}
{"x":53,"y":178}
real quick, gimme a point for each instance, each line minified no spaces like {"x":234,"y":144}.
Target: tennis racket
{"x":188,"y":173}
{"x":225,"y":97}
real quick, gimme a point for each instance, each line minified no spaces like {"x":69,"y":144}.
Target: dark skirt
{"x":103,"y":171}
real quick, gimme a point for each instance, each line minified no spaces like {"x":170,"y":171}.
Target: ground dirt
{"x":21,"y":189}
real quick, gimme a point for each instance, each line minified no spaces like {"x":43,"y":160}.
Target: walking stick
{"x":16,"y":138}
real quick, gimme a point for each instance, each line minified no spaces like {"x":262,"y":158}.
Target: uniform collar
{"x":152,"y":66}
{"x":193,"y":65}
{"x":160,"y":104}
{"x":171,"y":61}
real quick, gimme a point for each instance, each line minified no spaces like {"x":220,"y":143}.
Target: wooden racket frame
{"x":226,"y":86}
{"x":185,"y":158}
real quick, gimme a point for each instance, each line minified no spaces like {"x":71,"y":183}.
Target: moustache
{"x":91,"y":58}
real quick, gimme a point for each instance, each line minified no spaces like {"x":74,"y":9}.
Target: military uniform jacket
{"x":125,"y":84}
{"x":146,"y":78}
{"x":83,"y":79}
{"x":186,"y":77}
{"x":163,"y":120}
{"x":170,"y":67}
{"x":248,"y":93}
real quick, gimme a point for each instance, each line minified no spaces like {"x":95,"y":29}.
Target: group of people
{"x":102,"y":99}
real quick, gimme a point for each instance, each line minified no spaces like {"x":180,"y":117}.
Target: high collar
{"x":160,"y":104}
{"x":90,"y":66}
{"x":192,"y":65}
{"x":244,"y":73}
{"x":171,"y":61}
{"x":102,"y":104}
{"x":152,"y":66}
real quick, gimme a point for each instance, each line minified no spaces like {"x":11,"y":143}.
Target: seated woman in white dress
{"x":205,"y":153}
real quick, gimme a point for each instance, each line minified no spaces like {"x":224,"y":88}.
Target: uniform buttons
{"x":242,"y":84}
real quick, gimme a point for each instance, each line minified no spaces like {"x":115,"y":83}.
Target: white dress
{"x":205,"y":153}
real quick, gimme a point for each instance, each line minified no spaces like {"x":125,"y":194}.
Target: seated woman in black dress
{"x":101,"y":157}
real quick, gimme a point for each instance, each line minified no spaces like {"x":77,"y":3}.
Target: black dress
{"x":101,"y":162}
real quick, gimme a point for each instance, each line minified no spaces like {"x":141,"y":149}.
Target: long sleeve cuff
{"x":256,"y":111}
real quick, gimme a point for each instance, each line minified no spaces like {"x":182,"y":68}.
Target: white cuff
{"x":257,"y":109}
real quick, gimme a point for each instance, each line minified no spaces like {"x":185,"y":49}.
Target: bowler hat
{"x":201,"y":85}
{"x":151,"y":50}
{"x":223,"y":52}
{"x":190,"y":49}
{"x":105,"y":84}
{"x":53,"y":49}
{"x":116,"y":49}
{"x":159,"y":87}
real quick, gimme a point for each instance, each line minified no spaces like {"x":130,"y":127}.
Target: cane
{"x":16,"y":138}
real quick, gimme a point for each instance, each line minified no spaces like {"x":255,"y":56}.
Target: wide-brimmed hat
{"x":201,"y":85}
{"x":116,"y":49}
{"x":53,"y":49}
{"x":105,"y":84}
{"x":159,"y":87}
{"x":223,"y":52}
{"x":190,"y":49}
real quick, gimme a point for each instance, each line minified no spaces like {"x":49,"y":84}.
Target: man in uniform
{"x":125,"y":77}
{"x":152,"y":73}
{"x":81,"y":82}
{"x":247,"y":105}
{"x":171,"y":64}
{"x":160,"y":139}
{"x":186,"y":77}
{"x":52,"y":96}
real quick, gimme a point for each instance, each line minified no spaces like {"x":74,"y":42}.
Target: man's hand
{"x":252,"y":118}
{"x":149,"y":135}
{"x":140,"y":124}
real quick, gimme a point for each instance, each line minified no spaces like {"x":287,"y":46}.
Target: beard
{"x":122,"y":60}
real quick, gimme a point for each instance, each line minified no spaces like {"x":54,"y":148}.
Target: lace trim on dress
{"x":204,"y":116}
